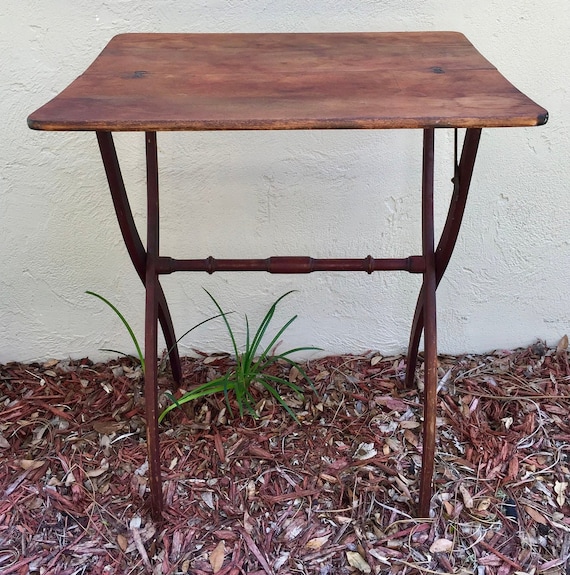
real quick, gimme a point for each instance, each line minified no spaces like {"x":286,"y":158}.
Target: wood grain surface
{"x":151,"y":82}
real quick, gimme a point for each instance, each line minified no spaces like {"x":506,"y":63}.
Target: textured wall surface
{"x":326,"y":194}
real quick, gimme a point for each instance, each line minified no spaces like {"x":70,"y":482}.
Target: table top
{"x":151,"y":82}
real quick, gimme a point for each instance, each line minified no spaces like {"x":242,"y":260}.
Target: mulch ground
{"x":334,"y":493}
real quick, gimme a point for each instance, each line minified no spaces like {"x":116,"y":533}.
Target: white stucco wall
{"x":326,"y":194}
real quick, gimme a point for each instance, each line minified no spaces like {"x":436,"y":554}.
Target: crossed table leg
{"x":149,"y":265}
{"x":425,"y":313}
{"x":133,"y":242}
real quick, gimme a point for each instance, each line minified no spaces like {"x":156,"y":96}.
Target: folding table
{"x":299,"y":81}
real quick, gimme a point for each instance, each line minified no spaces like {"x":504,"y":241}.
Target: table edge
{"x":300,"y":124}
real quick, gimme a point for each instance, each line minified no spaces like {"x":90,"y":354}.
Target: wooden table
{"x":158,"y":82}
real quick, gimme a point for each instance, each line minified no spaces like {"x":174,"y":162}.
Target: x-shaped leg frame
{"x":132,"y":239}
{"x":156,"y":308}
{"x":432,"y":264}
{"x":435,"y":266}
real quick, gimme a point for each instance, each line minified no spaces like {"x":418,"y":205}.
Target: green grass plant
{"x":251,"y":367}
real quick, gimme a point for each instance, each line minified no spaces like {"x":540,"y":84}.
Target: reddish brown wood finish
{"x":430,"y":324}
{"x":151,"y":82}
{"x":152,"y":288}
{"x":292,"y":265}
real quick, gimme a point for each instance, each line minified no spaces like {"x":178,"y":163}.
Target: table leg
{"x":134,"y":244}
{"x":462,"y":181}
{"x":151,"y":328}
{"x":425,"y":315}
{"x":430,"y":324}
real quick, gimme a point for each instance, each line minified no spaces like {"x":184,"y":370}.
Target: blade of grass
{"x":292,"y":363}
{"x":228,"y":326}
{"x":208,"y":388}
{"x":119,"y":353}
{"x":265,"y":323}
{"x":295,"y":350}
{"x":280,"y":400}
{"x":284,"y":382}
{"x":247,"y":334}
{"x":125,"y":323}
{"x":276,"y":338}
{"x":185,"y":334}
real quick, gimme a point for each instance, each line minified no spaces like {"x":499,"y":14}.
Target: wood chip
{"x":30,"y":463}
{"x":107,"y":427}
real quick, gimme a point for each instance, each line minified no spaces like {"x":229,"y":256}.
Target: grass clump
{"x":252,"y":366}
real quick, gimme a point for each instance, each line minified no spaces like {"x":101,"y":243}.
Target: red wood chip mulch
{"x":332,"y":494}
